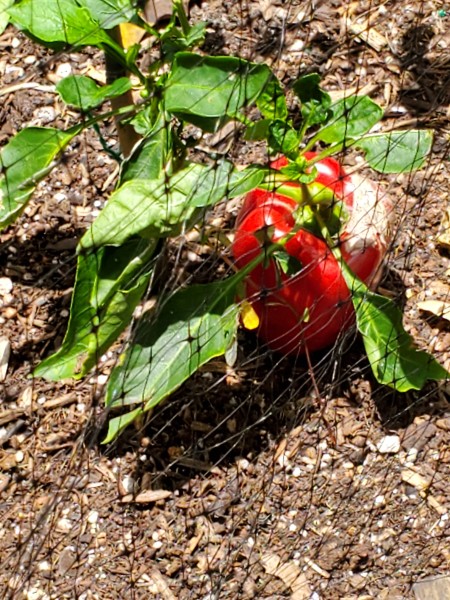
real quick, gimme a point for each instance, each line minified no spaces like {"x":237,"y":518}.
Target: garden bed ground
{"x":244,"y":484}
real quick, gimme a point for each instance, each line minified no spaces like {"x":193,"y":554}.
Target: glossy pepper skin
{"x":310,"y":308}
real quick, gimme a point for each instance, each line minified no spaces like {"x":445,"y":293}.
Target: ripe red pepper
{"x":311,"y":307}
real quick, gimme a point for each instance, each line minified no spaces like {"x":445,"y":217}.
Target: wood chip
{"x":443,"y":239}
{"x":436,"y":588}
{"x":161,"y":585}
{"x":147,"y":496}
{"x":413,"y":478}
{"x":367,"y":34}
{"x":436,"y":307}
{"x":5,"y":351}
{"x":289,"y":573}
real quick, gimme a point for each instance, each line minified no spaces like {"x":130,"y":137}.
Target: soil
{"x":269,"y":479}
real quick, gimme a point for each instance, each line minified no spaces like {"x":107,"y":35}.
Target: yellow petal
{"x":250,"y":319}
{"x":130,"y":34}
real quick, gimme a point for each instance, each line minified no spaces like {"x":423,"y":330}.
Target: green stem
{"x":178,"y":9}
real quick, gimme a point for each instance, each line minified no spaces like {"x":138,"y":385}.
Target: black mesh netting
{"x":268,"y":476}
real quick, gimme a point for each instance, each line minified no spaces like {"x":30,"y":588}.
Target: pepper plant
{"x":162,"y":191}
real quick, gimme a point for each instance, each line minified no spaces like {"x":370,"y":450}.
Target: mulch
{"x":262,"y":480}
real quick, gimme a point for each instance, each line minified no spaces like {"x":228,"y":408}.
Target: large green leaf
{"x":213,"y":87}
{"x":58,"y":21}
{"x":394,"y":359}
{"x":83,"y":93}
{"x":109,"y":13}
{"x":191,"y":327}
{"x":4,"y":13}
{"x":351,"y":117}
{"x":24,"y":161}
{"x":397,"y":151}
{"x":157,"y":208}
{"x":109,"y":284}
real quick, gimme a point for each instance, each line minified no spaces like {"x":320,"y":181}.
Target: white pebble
{"x":380,"y":500}
{"x":92,"y":517}
{"x":390,"y":444}
{"x":64,"y":525}
{"x":6,"y":285}
{"x":128,"y":484}
{"x":64,"y":70}
{"x":60,"y":196}
{"x":46,"y":114}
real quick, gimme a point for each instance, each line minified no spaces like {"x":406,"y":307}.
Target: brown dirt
{"x":242,"y":485}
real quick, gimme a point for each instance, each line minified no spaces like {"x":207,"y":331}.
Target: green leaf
{"x":394,"y":359}
{"x":283,"y":139}
{"x":259,"y":130}
{"x":83,"y":93}
{"x":152,"y":154}
{"x":109,"y":13}
{"x":158,"y":208}
{"x":289,"y":264}
{"x":213,"y":87}
{"x":58,"y":21}
{"x":24,"y":161}
{"x":109,"y":284}
{"x":4,"y":13}
{"x":189,"y":329}
{"x":272,"y":101}
{"x":315,"y":102}
{"x":397,"y":151}
{"x":173,"y":39}
{"x":118,"y":424}
{"x":351,"y":117}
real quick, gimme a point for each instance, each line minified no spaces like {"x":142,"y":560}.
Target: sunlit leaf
{"x":24,"y":161}
{"x":83,"y":93}
{"x":351,"y":117}
{"x":397,"y":151}
{"x":109,"y":284}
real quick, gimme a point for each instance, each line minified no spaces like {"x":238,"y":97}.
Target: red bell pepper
{"x":311,"y":307}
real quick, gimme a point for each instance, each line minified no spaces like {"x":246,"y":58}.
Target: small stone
{"x":64,"y":525}
{"x":6,"y":285}
{"x":390,"y":444}
{"x":63,"y":70}
{"x":60,"y":197}
{"x":46,"y":114}
{"x":92,"y":517}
